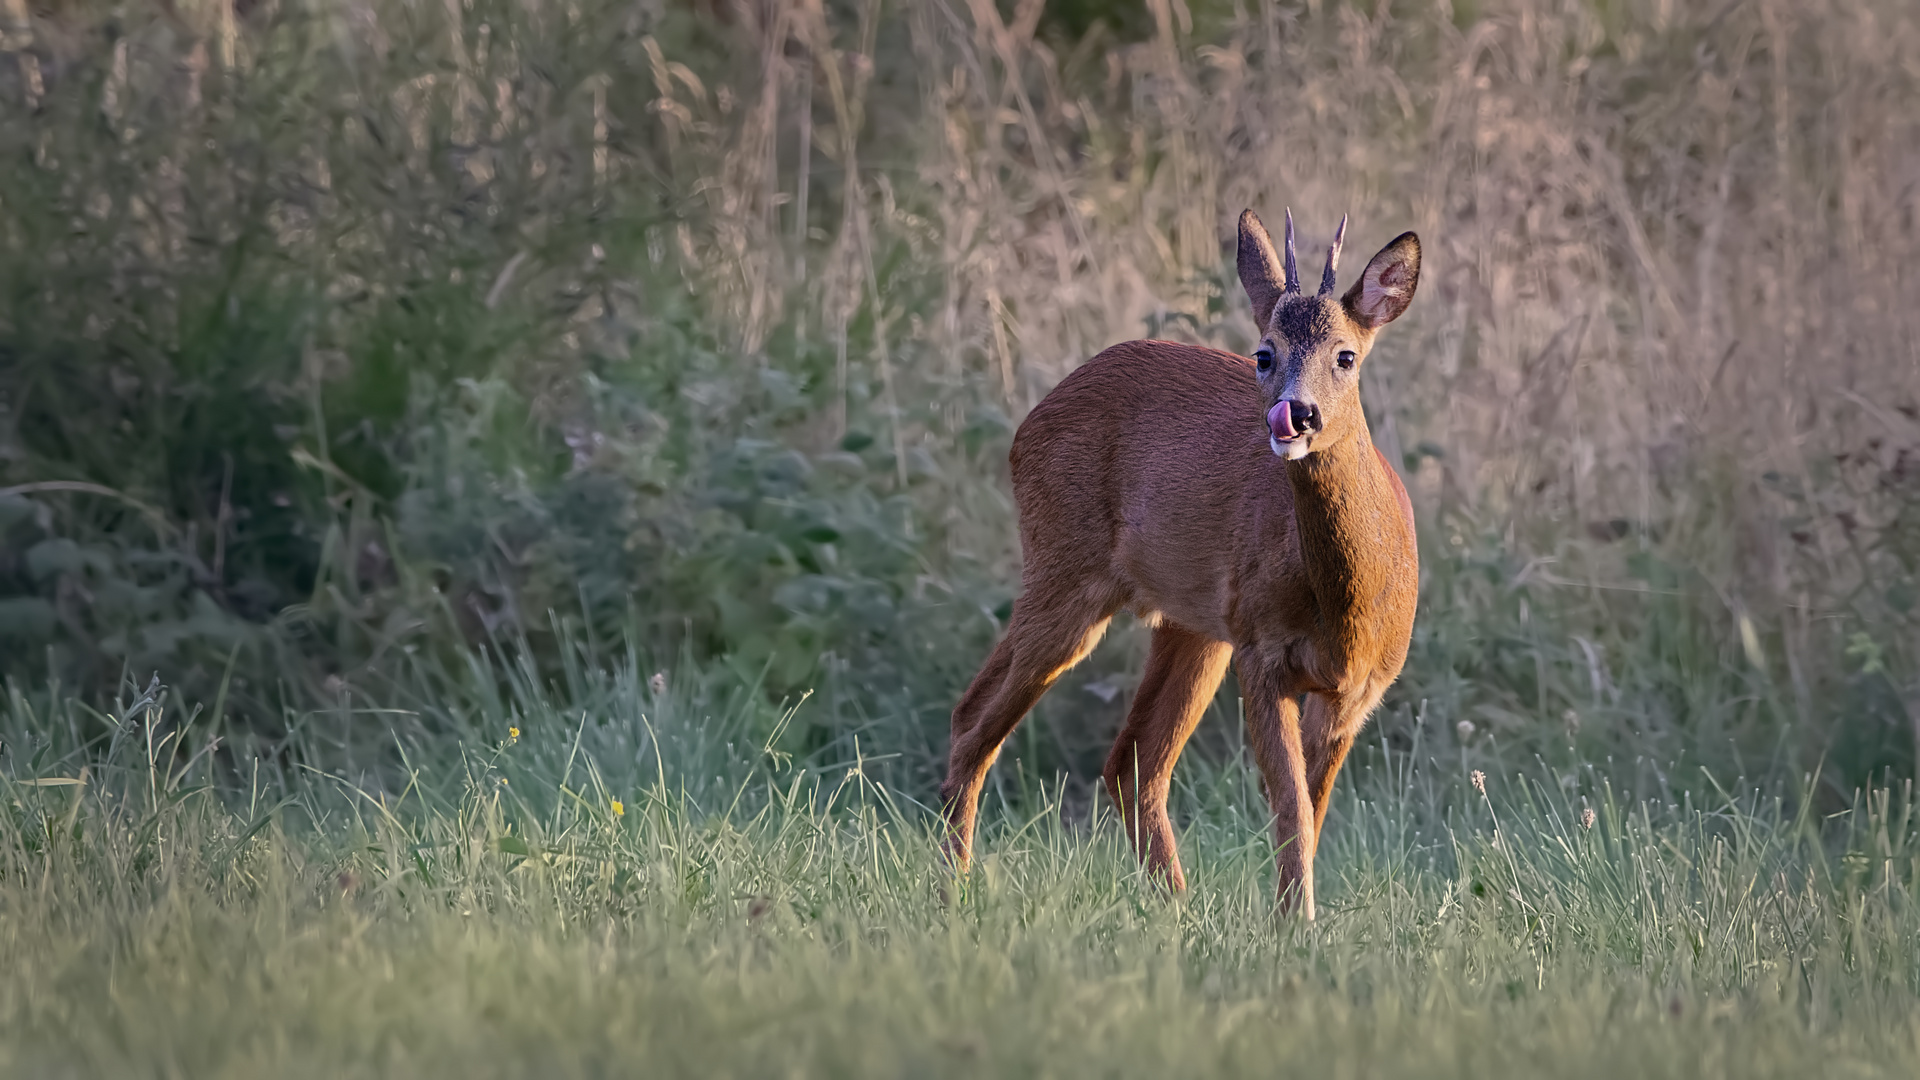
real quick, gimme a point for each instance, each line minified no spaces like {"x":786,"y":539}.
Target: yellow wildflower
{"x":513,"y":733}
{"x":619,"y":808}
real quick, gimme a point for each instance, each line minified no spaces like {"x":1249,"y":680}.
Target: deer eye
{"x":1263,"y":356}
{"x":1345,"y":359}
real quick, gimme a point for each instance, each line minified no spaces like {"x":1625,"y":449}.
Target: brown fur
{"x":1146,"y":482}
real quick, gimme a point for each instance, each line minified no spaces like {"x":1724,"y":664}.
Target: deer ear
{"x":1260,"y":272}
{"x":1386,"y":287}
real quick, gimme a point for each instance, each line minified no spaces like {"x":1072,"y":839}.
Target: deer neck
{"x":1353,"y":539}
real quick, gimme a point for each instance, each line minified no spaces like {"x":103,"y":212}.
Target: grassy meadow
{"x":643,"y":886}
{"x":497,"y":500}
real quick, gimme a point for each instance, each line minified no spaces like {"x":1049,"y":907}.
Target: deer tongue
{"x":1280,"y":421}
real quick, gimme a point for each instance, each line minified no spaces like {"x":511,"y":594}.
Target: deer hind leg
{"x":1183,"y":671}
{"x":1048,"y":634}
{"x":1273,"y":735}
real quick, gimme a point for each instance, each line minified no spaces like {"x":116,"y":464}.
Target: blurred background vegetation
{"x":348,"y":347}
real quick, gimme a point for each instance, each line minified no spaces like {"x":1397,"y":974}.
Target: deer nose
{"x":1291,"y":419}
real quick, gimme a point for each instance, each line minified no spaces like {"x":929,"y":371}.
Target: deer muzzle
{"x":1291,"y":425}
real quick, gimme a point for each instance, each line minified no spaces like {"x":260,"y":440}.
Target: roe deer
{"x":1240,"y":509}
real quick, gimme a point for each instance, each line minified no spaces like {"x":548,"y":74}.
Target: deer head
{"x":1308,"y":360}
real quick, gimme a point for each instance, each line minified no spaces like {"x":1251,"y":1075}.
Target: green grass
{"x":479,"y":907}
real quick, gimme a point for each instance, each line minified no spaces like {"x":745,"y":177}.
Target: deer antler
{"x":1327,"y":279}
{"x":1293,"y":269}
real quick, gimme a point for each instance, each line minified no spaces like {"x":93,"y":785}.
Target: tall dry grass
{"x":1656,"y":403}
{"x":1666,"y":344}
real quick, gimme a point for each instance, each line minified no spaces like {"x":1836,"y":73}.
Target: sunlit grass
{"x":647,"y":888}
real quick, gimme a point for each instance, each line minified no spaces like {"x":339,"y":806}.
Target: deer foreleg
{"x":1273,"y":734}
